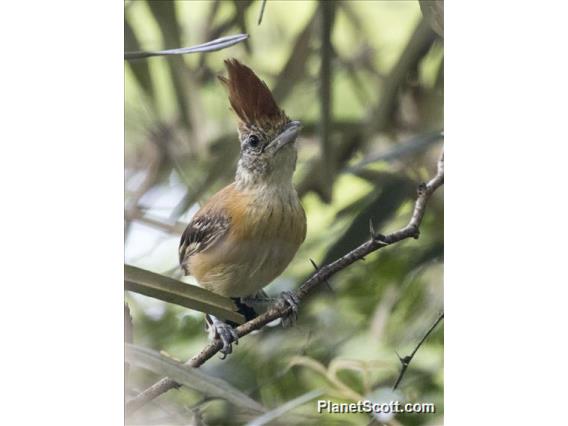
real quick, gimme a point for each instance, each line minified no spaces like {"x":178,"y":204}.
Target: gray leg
{"x":286,"y":297}
{"x":222,"y":331}
{"x":258,"y":300}
{"x":289,"y":298}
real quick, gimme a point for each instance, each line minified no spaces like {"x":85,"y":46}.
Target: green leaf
{"x":173,"y":291}
{"x":284,"y":408}
{"x":210,"y":46}
{"x":188,"y":376}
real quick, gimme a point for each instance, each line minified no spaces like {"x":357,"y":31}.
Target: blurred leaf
{"x":141,"y":69}
{"x":127,"y":334}
{"x":416,"y":48}
{"x":327,"y":13}
{"x":127,"y":324}
{"x":210,"y":46}
{"x":379,"y":118}
{"x":338,"y":386}
{"x":173,"y":291}
{"x":350,"y":142}
{"x":209,"y":173}
{"x":394,"y":191}
{"x":164,"y":13}
{"x":433,"y":11}
{"x":295,"y":68}
{"x":415,"y":145}
{"x":361,"y":367}
{"x":284,"y":408}
{"x":191,"y":377}
{"x":214,"y":32}
{"x":240,"y":9}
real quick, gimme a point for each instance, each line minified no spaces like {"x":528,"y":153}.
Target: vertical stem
{"x":327,"y":9}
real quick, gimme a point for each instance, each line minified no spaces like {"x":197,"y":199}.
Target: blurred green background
{"x":371,"y":99}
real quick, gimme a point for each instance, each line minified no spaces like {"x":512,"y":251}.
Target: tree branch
{"x":405,"y":362}
{"x":278,"y":310}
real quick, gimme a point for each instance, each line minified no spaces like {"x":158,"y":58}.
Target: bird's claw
{"x":227,"y":335}
{"x":290,"y":298}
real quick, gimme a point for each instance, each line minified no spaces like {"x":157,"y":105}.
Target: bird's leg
{"x":286,"y":297}
{"x":259,"y":299}
{"x":291,"y":299}
{"x":222,"y":331}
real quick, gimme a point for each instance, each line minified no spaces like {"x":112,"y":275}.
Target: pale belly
{"x":250,"y":267}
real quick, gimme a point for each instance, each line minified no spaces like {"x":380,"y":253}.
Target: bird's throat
{"x":264,"y":179}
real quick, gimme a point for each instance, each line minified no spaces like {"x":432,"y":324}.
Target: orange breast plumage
{"x":266,"y":228}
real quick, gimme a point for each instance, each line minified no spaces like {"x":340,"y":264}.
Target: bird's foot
{"x":258,"y":300}
{"x":224,"y":332}
{"x":289,"y":298}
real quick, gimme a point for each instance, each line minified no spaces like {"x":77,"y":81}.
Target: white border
{"x":62,"y":201}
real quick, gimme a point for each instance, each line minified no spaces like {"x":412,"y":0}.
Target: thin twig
{"x":278,"y":310}
{"x":405,"y":362}
{"x":326,"y":282}
{"x":261,"y":14}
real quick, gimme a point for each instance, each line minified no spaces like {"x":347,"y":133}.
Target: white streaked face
{"x":268,"y":158}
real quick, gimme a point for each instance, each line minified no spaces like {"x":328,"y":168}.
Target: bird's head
{"x":267,"y":136}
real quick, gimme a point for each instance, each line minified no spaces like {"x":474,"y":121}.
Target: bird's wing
{"x":201,"y":233}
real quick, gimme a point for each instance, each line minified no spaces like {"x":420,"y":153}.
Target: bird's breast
{"x":272,"y":216}
{"x":265,"y":233}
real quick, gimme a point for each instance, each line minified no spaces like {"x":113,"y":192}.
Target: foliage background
{"x":363,"y":160}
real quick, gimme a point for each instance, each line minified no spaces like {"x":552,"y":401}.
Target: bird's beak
{"x":288,"y":135}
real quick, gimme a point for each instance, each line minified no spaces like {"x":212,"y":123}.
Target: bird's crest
{"x":250,"y":97}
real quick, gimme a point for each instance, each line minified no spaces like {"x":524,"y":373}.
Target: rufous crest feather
{"x":250,"y":97}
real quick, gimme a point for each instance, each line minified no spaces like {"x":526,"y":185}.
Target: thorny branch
{"x":278,"y":310}
{"x":405,"y":362}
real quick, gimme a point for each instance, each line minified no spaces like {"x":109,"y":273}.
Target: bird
{"x":246,"y":234}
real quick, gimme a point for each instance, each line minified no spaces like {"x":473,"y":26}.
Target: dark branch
{"x":411,"y":230}
{"x":326,"y":282}
{"x":405,"y":362}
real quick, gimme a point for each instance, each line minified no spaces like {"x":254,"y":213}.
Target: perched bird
{"x":248,"y":232}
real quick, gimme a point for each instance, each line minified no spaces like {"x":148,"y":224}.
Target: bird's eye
{"x":253,"y":141}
